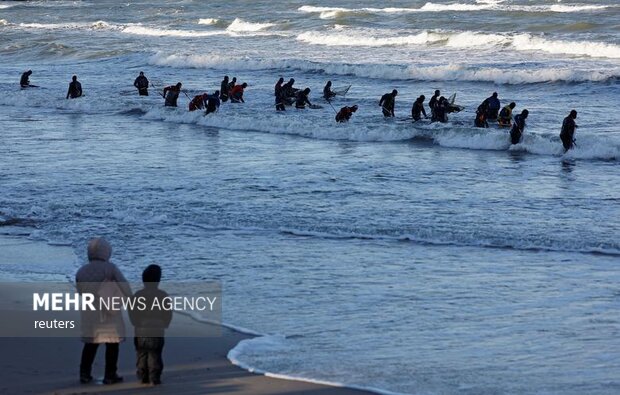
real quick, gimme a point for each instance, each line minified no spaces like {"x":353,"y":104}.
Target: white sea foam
{"x":449,"y":72}
{"x":275,"y":344}
{"x":481,"y":5}
{"x":435,"y":7}
{"x":448,"y":135}
{"x":524,"y":42}
{"x":239,"y":25}
{"x":3,"y":22}
{"x":466,"y":39}
{"x":149,"y":31}
{"x":208,"y":21}
{"x":346,"y":38}
{"x":97,"y":25}
{"x":576,"y":8}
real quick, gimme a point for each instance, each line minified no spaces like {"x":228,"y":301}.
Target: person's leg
{"x":111,"y":361}
{"x":86,"y":364}
{"x":142,"y":368}
{"x":156,"y":363}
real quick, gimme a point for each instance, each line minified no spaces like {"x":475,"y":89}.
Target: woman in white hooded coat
{"x":103,"y":279}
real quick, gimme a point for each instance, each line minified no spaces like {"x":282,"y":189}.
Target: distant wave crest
{"x":239,"y":25}
{"x":467,"y":39}
{"x":334,"y":12}
{"x":449,"y":72}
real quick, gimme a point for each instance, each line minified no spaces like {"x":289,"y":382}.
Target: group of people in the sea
{"x":287,"y":95}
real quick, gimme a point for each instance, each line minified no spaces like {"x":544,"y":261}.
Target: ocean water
{"x":413,"y":259}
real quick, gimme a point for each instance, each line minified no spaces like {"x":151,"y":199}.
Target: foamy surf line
{"x":449,"y":72}
{"x":523,"y":42}
{"x":235,"y":356}
{"x":334,"y":12}
{"x":236,"y":28}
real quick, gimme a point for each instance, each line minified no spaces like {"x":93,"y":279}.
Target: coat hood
{"x":99,"y":249}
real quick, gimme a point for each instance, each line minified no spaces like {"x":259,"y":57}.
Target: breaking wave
{"x":149,"y":31}
{"x":446,"y":135}
{"x":466,"y":39}
{"x":208,"y":21}
{"x":450,"y":72}
{"x":239,"y":25}
{"x":334,"y":12}
{"x":235,"y":28}
{"x":97,"y":25}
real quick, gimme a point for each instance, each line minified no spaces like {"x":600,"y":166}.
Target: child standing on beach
{"x":150,"y":324}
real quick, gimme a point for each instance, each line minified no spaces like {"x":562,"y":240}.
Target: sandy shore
{"x":192,"y":365}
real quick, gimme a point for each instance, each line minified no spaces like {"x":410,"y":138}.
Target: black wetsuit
{"x":493,"y":106}
{"x":25,"y":80}
{"x":441,"y":110}
{"x":517,"y":129}
{"x":327,"y":93}
{"x":568,"y":132}
{"x":142,"y":83}
{"x":417,"y":110}
{"x":224,"y":91}
{"x":171,"y":94}
{"x":481,"y":115}
{"x":279,"y":94}
{"x":213,"y":103}
{"x":432,"y":104}
{"x":302,"y":100}
{"x":75,"y":90}
{"x":387,"y":104}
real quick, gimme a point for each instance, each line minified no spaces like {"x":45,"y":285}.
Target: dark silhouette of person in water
{"x":75,"y":88}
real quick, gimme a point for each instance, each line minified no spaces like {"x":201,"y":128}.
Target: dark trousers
{"x":149,"y":363}
{"x":88,"y":356}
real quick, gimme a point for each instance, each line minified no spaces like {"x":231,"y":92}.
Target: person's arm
{"x":79,"y":89}
{"x":135,"y":83}
{"x":117,"y":276}
{"x":381,"y":101}
{"x":69,"y":91}
{"x":166,"y":314}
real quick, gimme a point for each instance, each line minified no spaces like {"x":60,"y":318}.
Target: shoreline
{"x":192,"y":365}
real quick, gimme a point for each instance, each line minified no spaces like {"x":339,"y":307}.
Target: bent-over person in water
{"x":171,"y":94}
{"x":518,"y":127}
{"x":24,"y":81}
{"x":387,"y":103}
{"x":345,"y":113}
